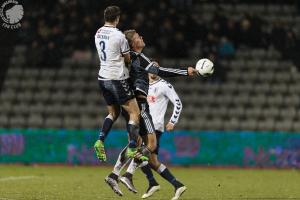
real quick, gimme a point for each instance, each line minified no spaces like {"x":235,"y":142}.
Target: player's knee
{"x":135,"y":118}
{"x":139,"y":141}
{"x":133,"y":130}
{"x":154,"y":163}
{"x":153,"y":140}
{"x":113,"y":116}
{"x":152,"y":145}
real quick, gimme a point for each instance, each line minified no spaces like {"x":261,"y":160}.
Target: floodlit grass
{"x":86,"y":183}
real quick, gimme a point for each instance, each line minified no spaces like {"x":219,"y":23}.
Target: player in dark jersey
{"x":140,"y":67}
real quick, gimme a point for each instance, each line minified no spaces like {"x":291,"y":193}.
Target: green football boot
{"x":144,"y":158}
{"x":100,"y":151}
{"x":130,"y":153}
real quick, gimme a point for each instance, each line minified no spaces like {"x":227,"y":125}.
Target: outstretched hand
{"x":156,"y":64}
{"x":192,"y":71}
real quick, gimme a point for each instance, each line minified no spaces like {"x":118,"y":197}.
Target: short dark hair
{"x":111,"y":13}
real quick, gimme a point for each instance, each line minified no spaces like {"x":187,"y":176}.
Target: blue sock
{"x":132,"y":144}
{"x":166,"y":174}
{"x":133,"y":131}
{"x":106,"y":126}
{"x":147,"y":171}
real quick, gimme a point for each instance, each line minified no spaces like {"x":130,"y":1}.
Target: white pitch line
{"x":5,"y":198}
{"x":16,"y":178}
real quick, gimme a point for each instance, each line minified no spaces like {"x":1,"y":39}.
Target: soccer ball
{"x":205,"y":67}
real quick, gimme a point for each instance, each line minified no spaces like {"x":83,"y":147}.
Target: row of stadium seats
{"x":253,"y":8}
{"x":260,"y":95}
{"x":249,"y":99}
{"x":217,"y":108}
{"x":271,"y":14}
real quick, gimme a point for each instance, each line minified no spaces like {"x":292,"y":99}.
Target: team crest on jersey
{"x":151,"y":99}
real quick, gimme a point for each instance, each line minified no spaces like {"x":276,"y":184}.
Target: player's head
{"x":153,"y":77}
{"x":135,"y":41}
{"x":112,"y":14}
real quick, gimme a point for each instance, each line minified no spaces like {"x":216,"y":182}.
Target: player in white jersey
{"x":113,"y":51}
{"x":159,"y":94}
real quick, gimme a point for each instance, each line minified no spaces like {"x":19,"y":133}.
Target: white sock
{"x":161,"y":168}
{"x":133,"y":166}
{"x":121,"y":162}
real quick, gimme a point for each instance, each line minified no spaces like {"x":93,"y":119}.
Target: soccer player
{"x":113,"y":51}
{"x":159,"y":94}
{"x":140,"y":67}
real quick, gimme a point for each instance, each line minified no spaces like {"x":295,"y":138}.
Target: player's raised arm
{"x":170,"y":72}
{"x":153,"y":68}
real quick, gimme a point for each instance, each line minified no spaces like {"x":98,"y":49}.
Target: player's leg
{"x":112,"y":178}
{"x":113,"y":113}
{"x":146,"y":169}
{"x":123,"y":159}
{"x":147,"y":123}
{"x":147,"y":131}
{"x":126,"y":179}
{"x":133,"y":128}
{"x":129,"y":104}
{"x":164,"y":172}
{"x":155,"y":164}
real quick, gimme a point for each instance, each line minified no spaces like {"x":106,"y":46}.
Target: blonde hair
{"x":129,"y":36}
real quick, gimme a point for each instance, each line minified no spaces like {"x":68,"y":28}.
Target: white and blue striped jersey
{"x":159,"y":94}
{"x":111,"y":44}
{"x":140,"y":67}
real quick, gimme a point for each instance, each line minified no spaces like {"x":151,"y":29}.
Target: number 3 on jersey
{"x":102,"y":46}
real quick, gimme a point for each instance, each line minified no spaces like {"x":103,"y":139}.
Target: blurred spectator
{"x":210,"y":45}
{"x":177,"y":46}
{"x":219,"y":75}
{"x":278,"y":35}
{"x":35,"y":55}
{"x":226,"y":48}
{"x":291,"y":50}
{"x":58,"y":28}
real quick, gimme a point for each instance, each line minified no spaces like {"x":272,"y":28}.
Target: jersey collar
{"x":110,"y":26}
{"x":155,"y":81}
{"x":136,"y":53}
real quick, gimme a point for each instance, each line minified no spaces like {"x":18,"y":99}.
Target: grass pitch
{"x":86,"y":183}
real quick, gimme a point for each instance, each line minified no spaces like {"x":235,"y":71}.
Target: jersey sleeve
{"x":171,"y":94}
{"x":124,"y":45}
{"x":152,"y":68}
{"x":172,"y":72}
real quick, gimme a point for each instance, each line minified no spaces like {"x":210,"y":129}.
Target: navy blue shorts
{"x":116,"y":91}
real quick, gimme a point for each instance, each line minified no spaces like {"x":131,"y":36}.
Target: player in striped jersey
{"x":159,"y":95}
{"x":140,"y":67}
